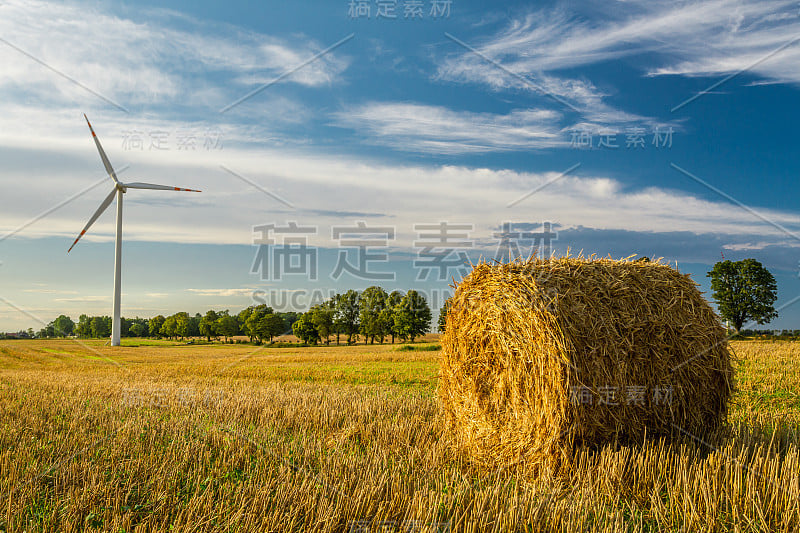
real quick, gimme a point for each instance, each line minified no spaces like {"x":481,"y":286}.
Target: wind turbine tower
{"x":118,"y":191}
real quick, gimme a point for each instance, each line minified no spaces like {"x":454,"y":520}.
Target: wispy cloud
{"x":49,"y":291}
{"x":84,"y":299}
{"x":222,"y":292}
{"x":427,"y":128}
{"x":408,"y":194}
{"x":735,"y":37}
{"x":554,"y":39}
{"x":147,"y":61}
{"x":688,"y":38}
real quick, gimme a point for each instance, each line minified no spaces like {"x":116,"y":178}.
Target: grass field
{"x":170,"y":437}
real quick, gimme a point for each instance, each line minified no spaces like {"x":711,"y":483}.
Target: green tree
{"x":372,"y":324}
{"x":84,"y":326}
{"x":413,"y":316}
{"x":208,"y":324}
{"x":138,"y":329}
{"x":47,"y":332}
{"x":169,"y":327}
{"x":182,"y":324}
{"x":194,"y":325}
{"x":270,"y":325}
{"x":305,"y":330}
{"x":101,"y":327}
{"x":443,"y":315}
{"x":63,"y":326}
{"x":389,"y":311}
{"x":323,"y":317}
{"x":744,"y":290}
{"x":155,"y":324}
{"x":227,"y":325}
{"x":253,"y":325}
{"x":289,"y":318}
{"x":242,"y":317}
{"x":337,"y":323}
{"x":347,"y":314}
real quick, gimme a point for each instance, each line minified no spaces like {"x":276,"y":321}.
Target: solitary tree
{"x":744,"y":290}
{"x":413,"y":316}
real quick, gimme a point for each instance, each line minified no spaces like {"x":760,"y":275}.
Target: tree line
{"x":743,"y":290}
{"x":372,"y":314}
{"x":259,"y":322}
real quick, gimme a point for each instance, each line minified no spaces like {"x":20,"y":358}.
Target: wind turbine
{"x":118,"y":191}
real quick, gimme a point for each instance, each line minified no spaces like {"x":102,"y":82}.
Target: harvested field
{"x":218,"y":438}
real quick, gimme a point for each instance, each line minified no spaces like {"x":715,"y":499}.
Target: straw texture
{"x":544,"y":355}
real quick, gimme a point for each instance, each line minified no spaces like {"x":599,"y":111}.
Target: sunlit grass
{"x":239,"y":438}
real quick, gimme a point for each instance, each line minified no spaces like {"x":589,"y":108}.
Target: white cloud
{"x":760,"y":245}
{"x":48,"y":154}
{"x":706,"y":38}
{"x":222,"y":292}
{"x":49,"y":291}
{"x":84,"y":299}
{"x":324,"y":188}
{"x":552,"y":40}
{"x":426,"y":128}
{"x":135,"y":62}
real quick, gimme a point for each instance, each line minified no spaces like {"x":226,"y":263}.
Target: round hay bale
{"x":543,"y":355}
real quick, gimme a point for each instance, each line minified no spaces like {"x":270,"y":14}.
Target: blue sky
{"x":650,"y":128}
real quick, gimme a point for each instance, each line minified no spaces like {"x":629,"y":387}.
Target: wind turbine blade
{"x":106,"y":163}
{"x":103,"y":207}
{"x":153,"y":186}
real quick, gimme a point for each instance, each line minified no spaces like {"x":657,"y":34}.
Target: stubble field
{"x":173,"y":437}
